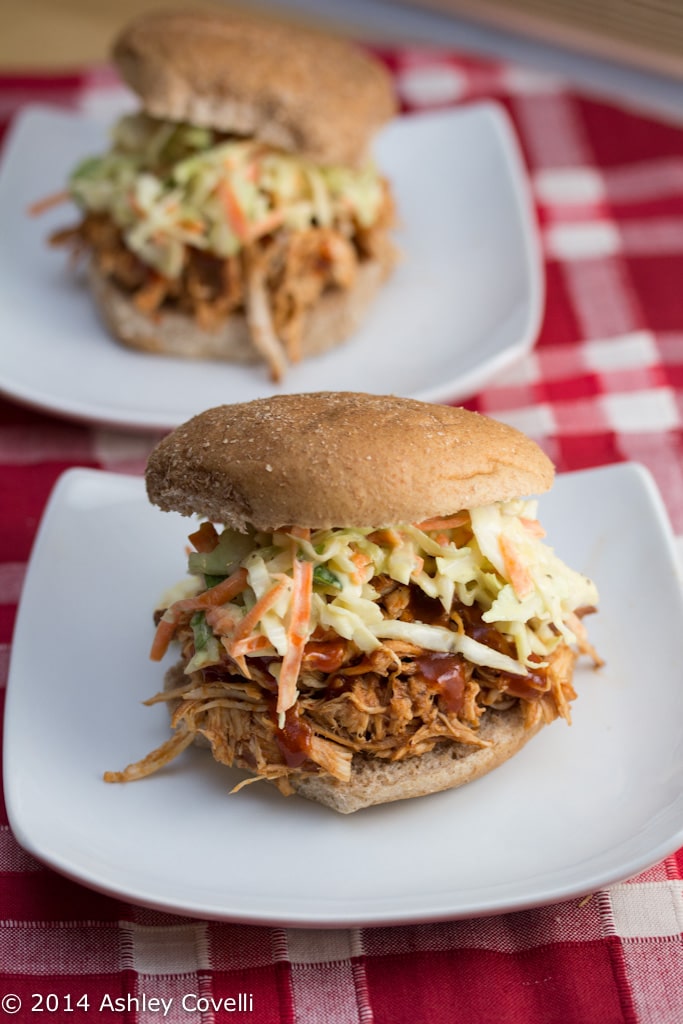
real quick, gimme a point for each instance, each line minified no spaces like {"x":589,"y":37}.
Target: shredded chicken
{"x":260,"y":321}
{"x":155,"y":760}
{"x":274,"y":281}
{"x":396,"y":702}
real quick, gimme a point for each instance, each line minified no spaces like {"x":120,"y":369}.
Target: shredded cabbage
{"x":488,"y":561}
{"x":169,"y":185}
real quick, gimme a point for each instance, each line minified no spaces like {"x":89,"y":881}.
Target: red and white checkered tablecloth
{"x":605,"y":384}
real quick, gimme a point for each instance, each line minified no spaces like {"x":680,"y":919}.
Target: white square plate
{"x":579,"y":808}
{"x":464,"y":303}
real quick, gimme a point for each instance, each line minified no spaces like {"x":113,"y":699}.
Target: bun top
{"x":340,"y":459}
{"x":295,"y":89}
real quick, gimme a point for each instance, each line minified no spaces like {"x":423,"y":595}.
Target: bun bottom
{"x":447,"y":766}
{"x":335,"y":316}
{"x":375,"y":781}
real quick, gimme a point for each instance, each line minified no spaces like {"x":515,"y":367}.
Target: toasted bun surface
{"x":293,"y":88}
{"x":340,"y":459}
{"x":336,"y":315}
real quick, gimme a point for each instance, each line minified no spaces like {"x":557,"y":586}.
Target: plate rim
{"x":116,"y":416}
{"x":546,"y":895}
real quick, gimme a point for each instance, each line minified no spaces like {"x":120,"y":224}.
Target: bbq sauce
{"x":294,"y":740}
{"x":324,"y":656}
{"x":529,"y":687}
{"x":422,"y":608}
{"x":481,"y":631}
{"x":445,"y":673}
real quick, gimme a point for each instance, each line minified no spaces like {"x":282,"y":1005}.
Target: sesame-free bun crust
{"x":292,"y":88}
{"x":340,"y":459}
{"x":336,"y":315}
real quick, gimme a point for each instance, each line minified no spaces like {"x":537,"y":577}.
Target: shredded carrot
{"x":419,"y":565}
{"x":445,"y":522}
{"x":222,"y":592}
{"x":252,"y":171}
{"x":193,"y":227}
{"x":162,"y":638}
{"x":205,"y":539}
{"x":388,"y":536}
{"x":297,"y":633}
{"x":56,"y":199}
{"x":250,"y":645}
{"x":269,"y":223}
{"x":221,"y":620}
{"x":515,"y":569}
{"x":533,"y":527}
{"x":134,"y":204}
{"x":361,"y":562}
{"x":300,"y":532}
{"x":233,"y":211}
{"x":253,"y":616}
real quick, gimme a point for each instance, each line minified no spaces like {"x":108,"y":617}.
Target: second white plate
{"x":464,"y":303}
{"x":578,"y":808}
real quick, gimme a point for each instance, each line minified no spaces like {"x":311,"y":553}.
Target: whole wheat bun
{"x":336,"y":315}
{"x":292,"y":88}
{"x":376,"y":781}
{"x":340,"y":459}
{"x":447,"y":766}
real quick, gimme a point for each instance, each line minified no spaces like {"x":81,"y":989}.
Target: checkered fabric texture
{"x":604,"y":384}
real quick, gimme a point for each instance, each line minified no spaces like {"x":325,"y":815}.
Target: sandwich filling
{"x":302,"y":648}
{"x":186,"y":218}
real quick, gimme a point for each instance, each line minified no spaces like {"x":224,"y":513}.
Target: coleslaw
{"x":169,"y":185}
{"x":268,"y":593}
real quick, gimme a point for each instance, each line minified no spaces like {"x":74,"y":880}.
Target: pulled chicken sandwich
{"x":238,"y":214}
{"x":372,"y":612}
